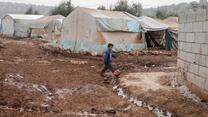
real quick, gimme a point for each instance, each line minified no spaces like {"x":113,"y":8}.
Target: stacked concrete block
{"x":193,"y":47}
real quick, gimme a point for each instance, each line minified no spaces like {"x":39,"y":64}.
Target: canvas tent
{"x":48,"y":27}
{"x":91,"y":30}
{"x":18,"y":25}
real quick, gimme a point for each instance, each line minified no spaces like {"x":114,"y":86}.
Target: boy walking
{"x":107,"y":60}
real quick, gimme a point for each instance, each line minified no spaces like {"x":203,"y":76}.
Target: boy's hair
{"x":110,"y":45}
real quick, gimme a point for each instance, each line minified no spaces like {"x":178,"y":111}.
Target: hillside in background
{"x":172,"y":9}
{"x":20,"y":8}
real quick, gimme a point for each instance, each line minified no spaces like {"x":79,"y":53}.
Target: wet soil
{"x":35,"y":82}
{"x":41,"y":81}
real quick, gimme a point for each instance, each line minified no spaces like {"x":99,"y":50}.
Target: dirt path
{"x":36,"y":83}
{"x":44,"y":82}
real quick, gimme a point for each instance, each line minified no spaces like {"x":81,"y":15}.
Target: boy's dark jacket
{"x":107,"y":57}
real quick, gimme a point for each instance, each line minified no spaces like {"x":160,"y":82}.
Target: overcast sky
{"x":96,"y":3}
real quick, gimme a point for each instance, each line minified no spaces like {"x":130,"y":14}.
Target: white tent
{"x":91,"y":30}
{"x":18,"y":25}
{"x":48,"y":27}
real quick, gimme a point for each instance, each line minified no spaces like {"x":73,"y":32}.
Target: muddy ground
{"x":40,"y":81}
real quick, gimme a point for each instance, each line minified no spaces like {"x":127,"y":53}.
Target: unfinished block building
{"x":193,"y":50}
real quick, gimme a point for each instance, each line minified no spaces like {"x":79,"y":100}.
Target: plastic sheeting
{"x":171,"y":40}
{"x":107,"y":24}
{"x":149,"y":24}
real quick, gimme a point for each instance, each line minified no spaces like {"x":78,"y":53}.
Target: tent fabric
{"x":99,"y":49}
{"x":113,"y":21}
{"x":172,"y":22}
{"x":107,"y":24}
{"x":149,"y":24}
{"x":48,"y":27}
{"x":44,"y":21}
{"x":18,"y":25}
{"x":171,"y":40}
{"x":91,"y":30}
{"x":24,"y":17}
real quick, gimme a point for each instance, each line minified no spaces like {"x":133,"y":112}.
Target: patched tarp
{"x":149,"y":24}
{"x":107,"y":24}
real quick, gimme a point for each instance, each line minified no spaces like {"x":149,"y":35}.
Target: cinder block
{"x":190,"y":37}
{"x":181,"y":28}
{"x":200,"y":60}
{"x":203,"y":72}
{"x":189,"y":27}
{"x":182,"y":55}
{"x":183,"y":18}
{"x":193,"y":68}
{"x":187,"y":47}
{"x":179,"y":52}
{"x":204,"y":49}
{"x":190,"y":57}
{"x":180,"y":63}
{"x":200,"y":82}
{"x":206,"y":61}
{"x":191,"y":17}
{"x":182,"y":36}
{"x":206,"y":84}
{"x":196,"y":48}
{"x":200,"y":37}
{"x":180,"y":45}
{"x":191,"y":77}
{"x":198,"y":26}
{"x":207,"y":14}
{"x":205,"y":26}
{"x":186,"y":66}
{"x":201,"y":15}
{"x":206,"y":38}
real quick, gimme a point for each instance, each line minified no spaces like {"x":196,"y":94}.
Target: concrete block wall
{"x":193,"y":47}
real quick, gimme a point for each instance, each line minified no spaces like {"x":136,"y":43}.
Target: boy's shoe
{"x":116,"y":74}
